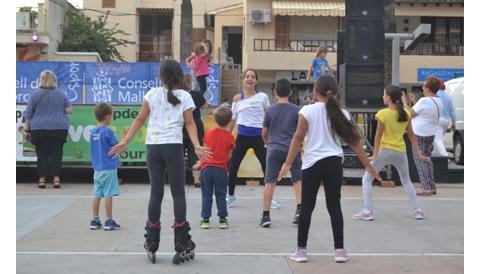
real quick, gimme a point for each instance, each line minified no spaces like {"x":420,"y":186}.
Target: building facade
{"x":39,"y":32}
{"x":282,"y":40}
{"x":153,"y":25}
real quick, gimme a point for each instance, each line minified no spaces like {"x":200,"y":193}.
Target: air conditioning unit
{"x":260,"y":16}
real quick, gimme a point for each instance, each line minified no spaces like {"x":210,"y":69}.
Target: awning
{"x":309,"y":8}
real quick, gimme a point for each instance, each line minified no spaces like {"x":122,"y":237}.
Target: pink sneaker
{"x":363,"y":215}
{"x":341,"y":255}
{"x":419,"y":214}
{"x":300,"y":255}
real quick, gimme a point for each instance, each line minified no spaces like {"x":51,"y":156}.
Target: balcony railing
{"x":435,"y":49}
{"x":293,"y":45}
{"x":147,"y":56}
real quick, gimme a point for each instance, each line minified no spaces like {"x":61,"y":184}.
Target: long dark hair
{"x":395,"y":94}
{"x":326,"y":86}
{"x":171,"y":74}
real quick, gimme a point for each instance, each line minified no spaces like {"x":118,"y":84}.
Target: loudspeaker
{"x":363,"y":84}
{"x":363,"y":9}
{"x":365,"y":41}
{"x":363,"y":72}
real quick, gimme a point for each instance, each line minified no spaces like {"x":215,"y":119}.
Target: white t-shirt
{"x":426,"y":122}
{"x":251,"y":111}
{"x":165,"y":122}
{"x":320,"y":142}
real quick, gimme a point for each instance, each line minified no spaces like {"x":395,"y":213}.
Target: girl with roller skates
{"x":168,"y":109}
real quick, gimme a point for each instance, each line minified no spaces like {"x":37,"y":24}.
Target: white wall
{"x":55,"y":18}
{"x":313,"y":28}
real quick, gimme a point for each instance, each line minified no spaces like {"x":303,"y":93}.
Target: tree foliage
{"x":82,"y":34}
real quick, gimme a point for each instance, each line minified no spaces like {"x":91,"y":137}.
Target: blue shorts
{"x":105,"y":183}
{"x":275,"y":160}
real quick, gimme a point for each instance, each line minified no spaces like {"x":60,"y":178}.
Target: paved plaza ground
{"x":53,"y":234}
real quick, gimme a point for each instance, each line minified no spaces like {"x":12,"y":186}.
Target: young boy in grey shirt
{"x":279,"y":126}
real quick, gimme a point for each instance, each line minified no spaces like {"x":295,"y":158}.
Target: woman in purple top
{"x":47,"y":121}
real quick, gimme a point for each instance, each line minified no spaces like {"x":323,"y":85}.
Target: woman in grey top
{"x":47,"y":122}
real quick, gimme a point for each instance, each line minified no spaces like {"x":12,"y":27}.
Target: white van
{"x":454,"y":140}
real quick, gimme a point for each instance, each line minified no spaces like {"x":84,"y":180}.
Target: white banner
{"x":25,"y":149}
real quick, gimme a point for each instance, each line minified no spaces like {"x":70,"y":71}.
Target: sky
{"x":34,"y":3}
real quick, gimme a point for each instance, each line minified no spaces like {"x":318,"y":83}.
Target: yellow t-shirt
{"x":394,"y":130}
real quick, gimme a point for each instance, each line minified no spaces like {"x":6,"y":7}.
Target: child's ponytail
{"x":341,"y":126}
{"x":395,"y":94}
{"x":171,"y":74}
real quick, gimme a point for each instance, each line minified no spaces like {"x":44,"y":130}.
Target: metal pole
{"x":395,"y":60}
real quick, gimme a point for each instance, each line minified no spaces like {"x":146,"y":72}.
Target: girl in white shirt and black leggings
{"x":248,"y":110}
{"x":325,"y":125}
{"x":168,"y":108}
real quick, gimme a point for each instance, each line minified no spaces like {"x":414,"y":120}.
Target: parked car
{"x":454,"y":140}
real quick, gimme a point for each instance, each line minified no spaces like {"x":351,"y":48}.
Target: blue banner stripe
{"x":115,"y":83}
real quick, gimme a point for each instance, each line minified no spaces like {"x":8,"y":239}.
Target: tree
{"x":81,"y":34}
{"x":186,"y":30}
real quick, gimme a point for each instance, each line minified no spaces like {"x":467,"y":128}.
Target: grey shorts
{"x":275,"y":160}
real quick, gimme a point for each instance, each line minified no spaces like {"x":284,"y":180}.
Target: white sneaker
{"x":300,"y":255}
{"x":341,"y":255}
{"x":274,"y":204}
{"x":230,"y":200}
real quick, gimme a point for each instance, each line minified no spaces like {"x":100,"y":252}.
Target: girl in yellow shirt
{"x":390,"y":149}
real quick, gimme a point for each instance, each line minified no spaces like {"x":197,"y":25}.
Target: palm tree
{"x":186,"y":30}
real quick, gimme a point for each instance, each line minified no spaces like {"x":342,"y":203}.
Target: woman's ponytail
{"x":341,"y":126}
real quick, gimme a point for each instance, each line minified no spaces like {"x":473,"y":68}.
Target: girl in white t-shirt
{"x":248,"y":111}
{"x":325,"y":125}
{"x":168,"y":108}
{"x":426,"y":116}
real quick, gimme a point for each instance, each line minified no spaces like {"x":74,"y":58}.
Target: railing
{"x":147,"y":56}
{"x":435,"y":49}
{"x":293,"y":45}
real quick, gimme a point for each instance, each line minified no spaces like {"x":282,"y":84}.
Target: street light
{"x":35,"y":36}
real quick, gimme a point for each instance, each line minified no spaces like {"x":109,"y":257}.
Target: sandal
{"x":57,"y":184}
{"x":425,"y":193}
{"x":42,"y":185}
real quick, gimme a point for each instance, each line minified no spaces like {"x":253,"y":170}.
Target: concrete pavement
{"x":53,"y":234}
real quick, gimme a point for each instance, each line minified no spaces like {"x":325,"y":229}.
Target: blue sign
{"x":441,"y":73}
{"x":69,"y":77}
{"x":115,"y":83}
{"x":118,"y":83}
{"x":127,"y":83}
{"x":212,"y":94}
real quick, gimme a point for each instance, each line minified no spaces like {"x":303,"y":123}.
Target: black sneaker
{"x":265,"y":222}
{"x":296,"y":219}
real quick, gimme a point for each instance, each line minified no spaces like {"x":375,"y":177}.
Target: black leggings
{"x":243,"y":143}
{"x":49,"y":149}
{"x":202,"y":83}
{"x":328,"y":170}
{"x":188,"y":145}
{"x":161,"y":160}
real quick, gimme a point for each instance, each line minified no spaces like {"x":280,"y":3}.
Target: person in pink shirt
{"x":199,"y":62}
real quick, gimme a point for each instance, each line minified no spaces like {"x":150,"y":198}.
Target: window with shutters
{"x":281,"y":31}
{"x":108,"y":3}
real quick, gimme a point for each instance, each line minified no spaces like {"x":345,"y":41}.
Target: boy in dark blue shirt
{"x":105,"y":167}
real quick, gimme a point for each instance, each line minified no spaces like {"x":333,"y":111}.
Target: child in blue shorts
{"x":105,"y":181}
{"x":279,"y":125}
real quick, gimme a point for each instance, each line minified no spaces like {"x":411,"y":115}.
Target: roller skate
{"x":152,"y":238}
{"x":184,"y":246}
